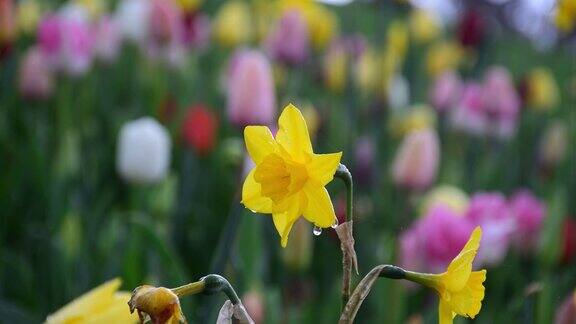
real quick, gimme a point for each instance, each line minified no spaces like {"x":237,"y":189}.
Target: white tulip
{"x":132,"y":18}
{"x":143,"y":155}
{"x":398,"y":92}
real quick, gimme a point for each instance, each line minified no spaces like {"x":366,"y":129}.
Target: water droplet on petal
{"x":335,"y":223}
{"x":317,"y":230}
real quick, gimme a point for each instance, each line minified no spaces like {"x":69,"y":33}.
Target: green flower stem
{"x":208,"y":285}
{"x":344,"y":174}
{"x":347,"y":260}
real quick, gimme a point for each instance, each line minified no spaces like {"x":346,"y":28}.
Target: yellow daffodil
{"x":423,"y":26}
{"x":103,"y":304}
{"x":289,"y":178}
{"x":542,"y":90}
{"x":233,"y":24}
{"x":443,"y":56}
{"x":460,"y":289}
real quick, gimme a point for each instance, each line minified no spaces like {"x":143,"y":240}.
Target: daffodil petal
{"x":458,"y":271}
{"x":319,"y":209}
{"x":252,"y":195}
{"x":445,"y":315}
{"x":259,"y":142}
{"x":284,"y":221}
{"x":468,"y":301}
{"x":293,"y":133}
{"x":323,"y":166}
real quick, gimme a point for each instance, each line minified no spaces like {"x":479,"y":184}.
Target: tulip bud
{"x":298,"y":254}
{"x":471,"y":29}
{"x":553,"y":144}
{"x":254,"y":304}
{"x":250,"y":89}
{"x":233,"y":24}
{"x":529,"y":214}
{"x":199,"y":129}
{"x":108,"y":40}
{"x":424,"y":26}
{"x":448,"y":196}
{"x":133,"y":17}
{"x":541,"y":90}
{"x":36,"y":80}
{"x":289,"y":40}
{"x":143,"y":154}
{"x":445,"y":91}
{"x":416,"y":161}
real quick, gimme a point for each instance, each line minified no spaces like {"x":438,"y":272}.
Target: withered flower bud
{"x":160,"y":304}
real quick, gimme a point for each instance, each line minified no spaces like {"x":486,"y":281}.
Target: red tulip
{"x":200,"y":128}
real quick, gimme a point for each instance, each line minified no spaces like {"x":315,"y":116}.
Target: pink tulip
{"x":411,"y":255}
{"x":468,"y":115}
{"x":250,"y":89}
{"x":289,"y":41}
{"x":196,"y":30}
{"x":492,"y":213}
{"x":417,"y":159}
{"x":35,"y":76}
{"x":108,"y":40}
{"x":501,"y":102}
{"x":445,"y":91}
{"x":165,"y":22}
{"x":529,"y":213}
{"x":50,"y":36}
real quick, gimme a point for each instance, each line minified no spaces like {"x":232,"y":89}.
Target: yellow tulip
{"x":450,"y":196}
{"x":418,"y":117}
{"x":28,"y":13}
{"x":397,"y":39}
{"x":460,"y":289}
{"x":542,"y":90}
{"x":424,"y":26}
{"x":95,"y":8}
{"x":189,"y":5}
{"x":233,"y":24}
{"x":443,"y":56}
{"x":366,"y":71}
{"x":566,"y":15}
{"x":289,"y":178}
{"x":335,"y":69}
{"x":103,"y":304}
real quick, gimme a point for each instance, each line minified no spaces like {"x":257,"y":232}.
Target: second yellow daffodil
{"x":289,"y":178}
{"x":460,"y":289}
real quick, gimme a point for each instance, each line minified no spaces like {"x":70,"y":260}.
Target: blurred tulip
{"x":312,"y":118}
{"x":417,"y":159}
{"x":132,"y":17}
{"x":36,"y":80}
{"x":440,"y":234}
{"x":49,"y":36}
{"x":553,"y":145}
{"x":200,"y":129}
{"x":298,"y":254}
{"x":397,"y":39}
{"x":568,"y":240}
{"x":417,"y":117}
{"x":566,"y":312}
{"x":197,"y":30}
{"x":143,"y":152}
{"x":322,"y":22}
{"x":95,"y":8}
{"x":233,"y":24}
{"x":108,"y":40}
{"x":445,"y":91}
{"x":542,"y":91}
{"x":336,"y":67}
{"x":398,"y":93}
{"x":491,"y":211}
{"x":468,"y":115}
{"x":289,"y":39}
{"x":165,"y":22}
{"x":565,"y":15}
{"x":471,"y":29}
{"x":364,"y":156}
{"x":529,"y":214}
{"x":189,"y":5}
{"x":28,"y":16}
{"x":254,"y":303}
{"x":367,"y":72}
{"x":443,"y":56}
{"x":501,"y":102}
{"x":448,"y":196}
{"x":7,"y":23}
{"x":410,"y":253}
{"x":423,"y":26}
{"x":250,"y":89}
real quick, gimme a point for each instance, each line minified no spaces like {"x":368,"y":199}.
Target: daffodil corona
{"x":289,"y":178}
{"x":460,"y":289}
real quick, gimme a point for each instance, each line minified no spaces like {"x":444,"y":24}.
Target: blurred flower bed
{"x":122,"y":151}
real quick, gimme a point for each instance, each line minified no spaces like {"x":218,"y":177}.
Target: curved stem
{"x":215,"y":283}
{"x":348,"y":257}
